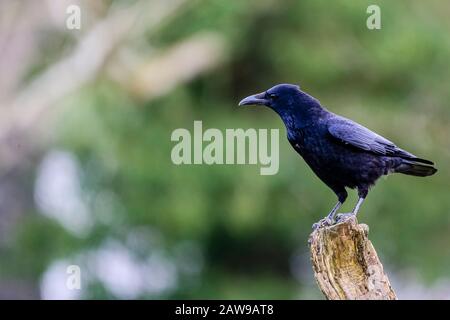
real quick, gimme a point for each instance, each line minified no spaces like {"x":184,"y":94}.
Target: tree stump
{"x":346,"y":265}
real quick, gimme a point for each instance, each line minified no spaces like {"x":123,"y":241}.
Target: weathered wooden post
{"x":346,"y":265}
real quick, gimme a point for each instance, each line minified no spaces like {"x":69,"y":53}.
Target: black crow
{"x":341,"y":152}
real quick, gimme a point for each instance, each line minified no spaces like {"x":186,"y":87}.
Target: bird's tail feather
{"x":421,"y":161}
{"x":415,"y":169}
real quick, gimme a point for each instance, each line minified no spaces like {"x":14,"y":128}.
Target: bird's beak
{"x":256,"y":99}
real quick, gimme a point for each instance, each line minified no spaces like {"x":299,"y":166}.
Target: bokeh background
{"x":86,"y":117}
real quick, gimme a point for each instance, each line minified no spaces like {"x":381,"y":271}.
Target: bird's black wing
{"x":348,"y":132}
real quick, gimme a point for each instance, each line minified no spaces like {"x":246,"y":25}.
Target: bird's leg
{"x":333,"y":211}
{"x":358,"y":204}
{"x":344,"y":216}
{"x":362,"y":193}
{"x":329,"y":219}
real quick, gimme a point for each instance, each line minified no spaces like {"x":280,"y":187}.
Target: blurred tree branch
{"x":158,"y":75}
{"x":150,"y":77}
{"x":346,"y":265}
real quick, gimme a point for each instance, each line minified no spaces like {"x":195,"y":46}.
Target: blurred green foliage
{"x":250,"y":228}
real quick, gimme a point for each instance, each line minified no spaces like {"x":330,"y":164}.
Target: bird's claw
{"x":325,"y":222}
{"x":341,"y":217}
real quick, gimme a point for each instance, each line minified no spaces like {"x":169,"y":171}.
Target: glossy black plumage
{"x":341,"y":152}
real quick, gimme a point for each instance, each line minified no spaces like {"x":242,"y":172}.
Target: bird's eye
{"x":273,"y":96}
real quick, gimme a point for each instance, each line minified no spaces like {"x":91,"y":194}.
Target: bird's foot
{"x":325,"y":222}
{"x":341,"y":217}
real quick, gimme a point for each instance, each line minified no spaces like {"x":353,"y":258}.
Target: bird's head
{"x":283,"y":99}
